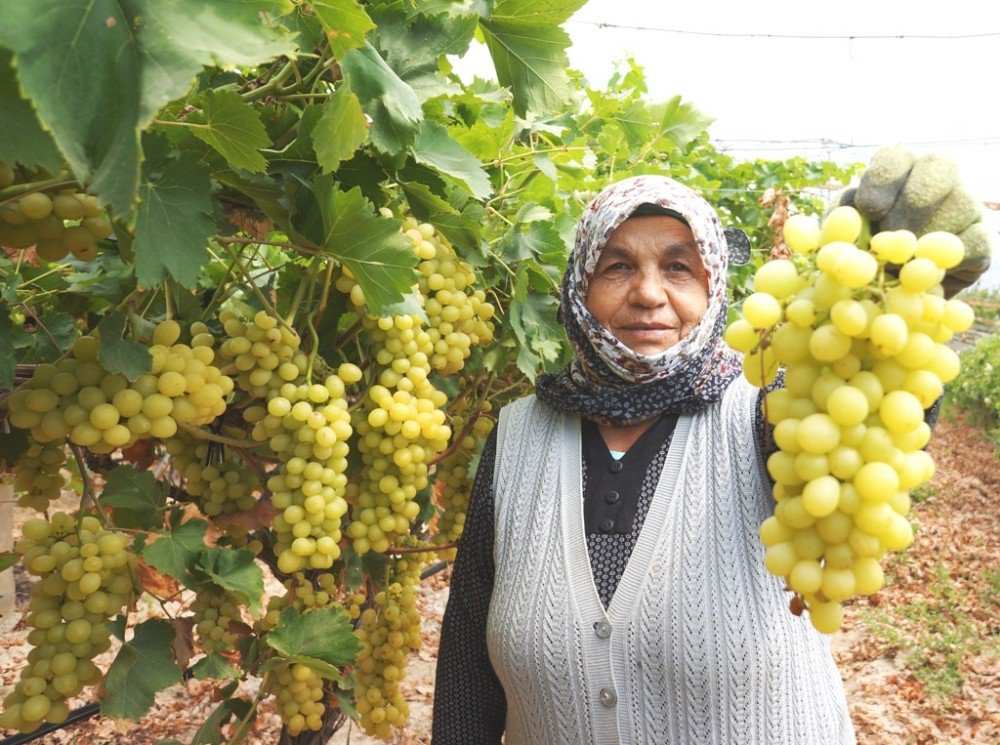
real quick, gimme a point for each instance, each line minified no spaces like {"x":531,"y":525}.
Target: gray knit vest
{"x":697,"y":645}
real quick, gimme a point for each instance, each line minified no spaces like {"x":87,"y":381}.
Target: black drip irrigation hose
{"x":87,"y":711}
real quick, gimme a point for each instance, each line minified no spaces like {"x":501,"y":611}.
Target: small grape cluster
{"x":265,"y":354}
{"x":453,"y":477}
{"x":301,"y":698}
{"x":85,"y":579}
{"x":76,"y":398}
{"x":38,"y":477}
{"x":214,"y":612}
{"x":56,"y":225}
{"x":388,"y":632}
{"x":219,"y":483}
{"x":308,"y":427}
{"x":865,"y":355}
{"x":302,"y":594}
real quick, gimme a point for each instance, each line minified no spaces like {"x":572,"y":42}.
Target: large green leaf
{"x":143,"y":667}
{"x":529,"y":51}
{"x":176,"y":553}
{"x":679,"y":122}
{"x":98,"y":71}
{"x":23,"y":141}
{"x":236,"y":572}
{"x":136,"y":498}
{"x":372,"y":247}
{"x":324,"y":635}
{"x":234,"y":129}
{"x":341,"y":129}
{"x":173,"y":222}
{"x":434,"y":147}
{"x":345,"y":23}
{"x":391,"y":103}
{"x":118,"y":355}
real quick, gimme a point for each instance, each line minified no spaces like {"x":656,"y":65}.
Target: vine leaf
{"x":118,"y":355}
{"x":234,"y":129}
{"x":173,"y":222}
{"x":529,"y":51}
{"x":8,"y":559}
{"x":214,"y":665}
{"x":210,"y":732}
{"x":434,"y":147}
{"x":340,"y":131}
{"x":372,"y":247}
{"x":24,"y":141}
{"x":236,"y":572}
{"x":136,"y":498}
{"x":679,"y":122}
{"x":74,"y":58}
{"x":175,"y":553}
{"x":345,"y":23}
{"x":143,"y":667}
{"x":390,"y":102}
{"x":321,"y":639}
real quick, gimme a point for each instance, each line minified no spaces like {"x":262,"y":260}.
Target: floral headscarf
{"x":609,"y":383}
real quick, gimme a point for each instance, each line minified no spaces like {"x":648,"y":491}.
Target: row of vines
{"x":269,"y":270}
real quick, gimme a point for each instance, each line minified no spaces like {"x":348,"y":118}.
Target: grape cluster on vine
{"x":84,"y":580}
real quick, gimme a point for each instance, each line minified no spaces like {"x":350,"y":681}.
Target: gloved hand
{"x":922,"y":195}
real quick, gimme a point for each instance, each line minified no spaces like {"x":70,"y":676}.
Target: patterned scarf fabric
{"x":609,"y":383}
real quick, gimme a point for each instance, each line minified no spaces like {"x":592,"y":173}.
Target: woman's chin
{"x":649,"y":343}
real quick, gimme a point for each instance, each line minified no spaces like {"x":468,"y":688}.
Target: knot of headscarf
{"x":609,"y":383}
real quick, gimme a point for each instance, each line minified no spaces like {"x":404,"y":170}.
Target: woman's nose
{"x":648,"y":289}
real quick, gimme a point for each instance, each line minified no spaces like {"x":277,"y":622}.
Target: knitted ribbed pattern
{"x":703,"y":649}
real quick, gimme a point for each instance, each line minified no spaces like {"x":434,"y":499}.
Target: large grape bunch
{"x":865,"y":355}
{"x":84,"y":580}
{"x":57,"y":225}
{"x":77,"y":399}
{"x":401,"y":424}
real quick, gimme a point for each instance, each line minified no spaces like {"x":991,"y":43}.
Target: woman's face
{"x":649,"y":287}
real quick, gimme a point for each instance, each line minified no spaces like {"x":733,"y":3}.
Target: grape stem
{"x":248,"y":719}
{"x":199,"y":434}
{"x":253,"y":286}
{"x":19,"y":190}
{"x":89,"y":497}
{"x":419,"y":549}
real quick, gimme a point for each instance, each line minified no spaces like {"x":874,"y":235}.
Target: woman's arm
{"x":469,"y":702}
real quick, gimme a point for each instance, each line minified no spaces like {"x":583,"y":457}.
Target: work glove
{"x":923,"y":195}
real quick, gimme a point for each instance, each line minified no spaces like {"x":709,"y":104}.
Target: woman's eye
{"x":679,"y":267}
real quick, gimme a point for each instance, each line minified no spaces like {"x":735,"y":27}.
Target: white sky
{"x":934,"y":95}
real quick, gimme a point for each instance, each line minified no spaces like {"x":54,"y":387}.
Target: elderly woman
{"x":610,"y":585}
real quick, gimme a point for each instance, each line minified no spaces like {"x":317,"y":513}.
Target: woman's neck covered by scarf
{"x":609,"y":383}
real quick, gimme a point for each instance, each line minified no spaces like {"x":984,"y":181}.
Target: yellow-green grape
{"x":388,"y":632}
{"x":842,"y":224}
{"x":300,"y":697}
{"x":214,"y":613}
{"x":84,"y":579}
{"x":38,"y":219}
{"x":38,"y":479}
{"x":802,"y":233}
{"x":865,"y":356}
{"x":777,"y":278}
{"x":220,"y":483}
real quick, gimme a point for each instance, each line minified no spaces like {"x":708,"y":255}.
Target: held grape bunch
{"x":864,"y":355}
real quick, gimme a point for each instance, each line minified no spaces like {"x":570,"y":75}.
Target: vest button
{"x":607,"y":525}
{"x":616,"y":467}
{"x":608,"y":697}
{"x":602,"y":629}
{"x":612,"y":496}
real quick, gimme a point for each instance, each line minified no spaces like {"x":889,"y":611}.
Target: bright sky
{"x":934,"y":95}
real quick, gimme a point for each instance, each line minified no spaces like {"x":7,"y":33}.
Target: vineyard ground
{"x":920,"y":661}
